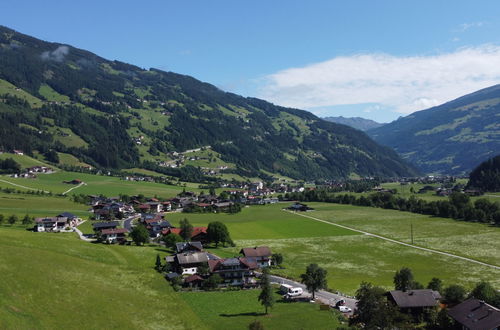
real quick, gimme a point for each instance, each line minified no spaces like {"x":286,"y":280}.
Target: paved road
{"x":398,"y":242}
{"x":127,"y":223}
{"x":82,"y":236}
{"x":324,"y":296}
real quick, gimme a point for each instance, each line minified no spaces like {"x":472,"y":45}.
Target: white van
{"x":284,"y":288}
{"x":294,"y":292}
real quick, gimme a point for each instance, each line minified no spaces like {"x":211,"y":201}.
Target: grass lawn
{"x":237,"y":309}
{"x":55,"y":281}
{"x":263,"y":222}
{"x":39,"y":206}
{"x":482,"y":241}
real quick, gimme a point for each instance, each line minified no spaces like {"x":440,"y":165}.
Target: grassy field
{"x":39,"y":206}
{"x":95,"y":184}
{"x":23,"y":160}
{"x":236,"y":309}
{"x":61,"y":282}
{"x":350,"y":257}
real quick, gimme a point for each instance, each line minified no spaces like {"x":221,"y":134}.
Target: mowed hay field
{"x":39,"y":205}
{"x":236,"y":309}
{"x":94,"y":185}
{"x":350,"y":257}
{"x":55,"y":281}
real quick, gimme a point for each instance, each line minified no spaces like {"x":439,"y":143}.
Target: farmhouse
{"x":474,"y":314}
{"x":49,"y":224}
{"x":188,"y":262}
{"x":199,"y":234}
{"x":99,"y":226}
{"x":188,"y":247}
{"x":261,"y":255}
{"x":234,"y":271}
{"x":414,"y":301}
{"x":112,"y":235}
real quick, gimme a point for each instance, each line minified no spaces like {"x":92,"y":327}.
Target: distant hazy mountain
{"x":452,"y":138}
{"x":356,"y":122}
{"x":115,"y":115}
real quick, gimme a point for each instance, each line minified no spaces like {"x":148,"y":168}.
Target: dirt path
{"x":21,"y":186}
{"x":398,"y":242}
{"x":67,"y":191}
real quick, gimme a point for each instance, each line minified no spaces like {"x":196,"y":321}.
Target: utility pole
{"x":411,"y":232}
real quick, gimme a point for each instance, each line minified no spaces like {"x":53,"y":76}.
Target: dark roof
{"x":214,"y":265}
{"x":415,"y":298}
{"x":188,"y":246}
{"x":114,"y":231}
{"x":51,"y":219}
{"x":193,"y":278}
{"x":100,"y":225}
{"x":476,"y":315}
{"x":170,"y":276}
{"x":259,"y":251}
{"x":68,"y":215}
{"x":192,"y":258}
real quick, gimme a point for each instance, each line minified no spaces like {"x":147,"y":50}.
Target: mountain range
{"x":356,"y":122}
{"x":452,"y":138}
{"x":61,"y":102}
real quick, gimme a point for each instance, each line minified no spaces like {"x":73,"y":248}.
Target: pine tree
{"x":266,"y":297}
{"x":158,"y":262}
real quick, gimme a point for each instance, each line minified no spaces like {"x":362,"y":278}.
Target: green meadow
{"x":351,"y":257}
{"x":95,"y":185}
{"x":55,"y":281}
{"x":39,"y":206}
{"x":236,"y":309}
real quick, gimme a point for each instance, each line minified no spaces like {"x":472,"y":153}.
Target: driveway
{"x":324,"y":296}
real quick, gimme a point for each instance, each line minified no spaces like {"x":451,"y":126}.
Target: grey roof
{"x":100,"y":225}
{"x":170,"y":276}
{"x":192,"y":258}
{"x":68,"y":215}
{"x":231,"y":262}
{"x":188,"y":246}
{"x":476,"y":315}
{"x":169,"y":259}
{"x":415,"y":298}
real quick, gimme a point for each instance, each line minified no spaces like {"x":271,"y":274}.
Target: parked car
{"x":345,"y":309}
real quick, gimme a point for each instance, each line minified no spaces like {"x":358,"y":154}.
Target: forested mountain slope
{"x":115,"y":115}
{"x":452,"y":138}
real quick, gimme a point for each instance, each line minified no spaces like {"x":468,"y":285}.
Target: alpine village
{"x":135,"y":198}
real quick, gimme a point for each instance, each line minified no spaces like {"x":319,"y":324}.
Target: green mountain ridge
{"x":117,"y":115}
{"x":452,"y":138}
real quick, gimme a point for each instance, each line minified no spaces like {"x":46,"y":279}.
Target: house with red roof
{"x":234,"y":271}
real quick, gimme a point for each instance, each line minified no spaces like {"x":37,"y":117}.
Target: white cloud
{"x":57,"y":55}
{"x":466,"y":26}
{"x":405,"y":84}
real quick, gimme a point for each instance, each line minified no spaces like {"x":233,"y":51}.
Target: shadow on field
{"x":243,"y":314}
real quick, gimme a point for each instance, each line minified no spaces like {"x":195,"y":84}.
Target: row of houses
{"x":472,"y":314}
{"x":58,"y":223}
{"x":194,"y":265}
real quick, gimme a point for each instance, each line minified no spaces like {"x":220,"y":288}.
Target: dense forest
{"x":486,"y":177}
{"x":108,"y":104}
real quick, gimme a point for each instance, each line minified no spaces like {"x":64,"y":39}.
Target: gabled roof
{"x":101,"y":225}
{"x":198,"y":230}
{"x":217,"y":264}
{"x":51,"y":219}
{"x":188,"y":246}
{"x":67,"y":215}
{"x":193,"y":278}
{"x":258,"y":251}
{"x":415,"y":298}
{"x":475,"y":314}
{"x":192,"y":258}
{"x":111,"y":231}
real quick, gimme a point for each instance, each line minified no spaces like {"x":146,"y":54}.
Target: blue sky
{"x":374,"y":59}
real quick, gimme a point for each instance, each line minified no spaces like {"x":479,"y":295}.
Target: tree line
{"x":458,"y":205}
